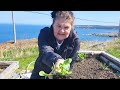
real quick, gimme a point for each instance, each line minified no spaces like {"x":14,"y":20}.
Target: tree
{"x":14,"y":30}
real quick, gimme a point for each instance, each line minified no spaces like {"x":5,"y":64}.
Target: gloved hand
{"x":59,"y":61}
{"x":57,"y":64}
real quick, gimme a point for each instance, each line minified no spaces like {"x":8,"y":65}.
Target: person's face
{"x":61,"y":28}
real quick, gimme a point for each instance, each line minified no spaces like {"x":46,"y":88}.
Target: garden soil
{"x":91,"y":68}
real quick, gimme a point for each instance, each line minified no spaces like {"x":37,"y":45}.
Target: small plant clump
{"x":82,"y":56}
{"x":63,"y":70}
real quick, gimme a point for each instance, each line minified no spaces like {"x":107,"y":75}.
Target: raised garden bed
{"x":97,"y":65}
{"x":3,"y":66}
{"x":7,"y":69}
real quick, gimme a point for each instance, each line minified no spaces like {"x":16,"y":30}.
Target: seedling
{"x":63,"y":70}
{"x":42,"y":73}
{"x":82,"y":56}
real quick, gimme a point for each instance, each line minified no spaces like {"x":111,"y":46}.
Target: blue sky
{"x":98,"y":17}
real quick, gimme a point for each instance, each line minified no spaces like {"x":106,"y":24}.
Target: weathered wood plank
{"x":7,"y":73}
{"x":3,"y":63}
{"x":92,"y":52}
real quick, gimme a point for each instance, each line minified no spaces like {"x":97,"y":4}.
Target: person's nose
{"x":62,"y":30}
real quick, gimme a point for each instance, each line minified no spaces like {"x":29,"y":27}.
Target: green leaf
{"x":82,"y":56}
{"x":42,"y":73}
{"x":64,"y":69}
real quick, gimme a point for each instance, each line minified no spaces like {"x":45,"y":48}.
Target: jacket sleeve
{"x":49,"y":57}
{"x":74,"y":54}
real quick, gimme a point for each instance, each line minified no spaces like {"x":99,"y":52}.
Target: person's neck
{"x":60,"y":41}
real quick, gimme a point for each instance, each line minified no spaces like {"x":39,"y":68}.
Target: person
{"x":56,"y":43}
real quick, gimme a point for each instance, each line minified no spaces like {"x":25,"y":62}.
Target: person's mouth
{"x":60,"y":34}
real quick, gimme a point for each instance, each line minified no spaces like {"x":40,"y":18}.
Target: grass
{"x":114,"y":48}
{"x":23,"y":53}
{"x":25,"y":61}
{"x":114,"y":51}
{"x":19,"y":52}
{"x":24,"y":56}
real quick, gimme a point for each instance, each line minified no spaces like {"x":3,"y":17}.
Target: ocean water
{"x":32,"y":31}
{"x":22,"y":32}
{"x":81,"y":33}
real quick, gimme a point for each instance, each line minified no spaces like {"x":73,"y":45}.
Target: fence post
{"x":14,"y":30}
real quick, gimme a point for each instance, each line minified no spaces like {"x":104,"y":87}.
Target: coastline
{"x":31,"y":43}
{"x":115,"y":34}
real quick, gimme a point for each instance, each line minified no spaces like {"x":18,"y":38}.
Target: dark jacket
{"x":48,"y":52}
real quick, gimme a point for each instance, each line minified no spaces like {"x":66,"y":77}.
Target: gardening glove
{"x":59,"y":61}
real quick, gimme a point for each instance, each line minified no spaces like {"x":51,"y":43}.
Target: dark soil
{"x":3,"y":67}
{"x":90,"y":68}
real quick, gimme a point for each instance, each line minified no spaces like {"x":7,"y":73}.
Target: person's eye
{"x":66,"y":28}
{"x":59,"y":26}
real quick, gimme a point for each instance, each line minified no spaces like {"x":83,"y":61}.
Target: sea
{"x":32,"y":31}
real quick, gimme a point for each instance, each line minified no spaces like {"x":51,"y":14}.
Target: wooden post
{"x":14,"y":30}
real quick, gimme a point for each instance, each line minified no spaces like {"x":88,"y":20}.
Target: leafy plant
{"x":82,"y":56}
{"x":63,"y":70}
{"x":42,"y":73}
